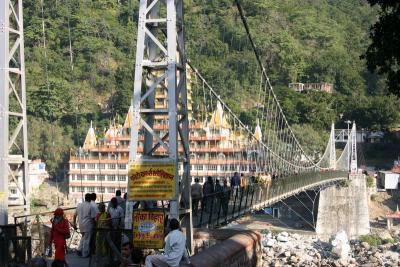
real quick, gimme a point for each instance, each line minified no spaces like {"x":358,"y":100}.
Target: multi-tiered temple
{"x":217,"y":149}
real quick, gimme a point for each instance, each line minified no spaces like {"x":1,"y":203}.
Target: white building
{"x":388,"y":180}
{"x":37,"y":175}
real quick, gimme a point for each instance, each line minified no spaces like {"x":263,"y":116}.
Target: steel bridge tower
{"x":13,"y":120}
{"x":161,"y":65}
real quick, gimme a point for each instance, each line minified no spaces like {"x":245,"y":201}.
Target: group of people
{"x":204,"y":195}
{"x":213,"y":196}
{"x":95,"y":220}
{"x":90,"y":217}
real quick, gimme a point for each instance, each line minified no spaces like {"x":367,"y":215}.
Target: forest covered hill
{"x":80,"y":67}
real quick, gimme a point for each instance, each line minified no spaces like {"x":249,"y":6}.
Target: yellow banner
{"x":148,"y":229}
{"x":151,"y":181}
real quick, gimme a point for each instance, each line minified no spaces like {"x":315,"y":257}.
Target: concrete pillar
{"x":344,"y":208}
{"x":389,"y":223}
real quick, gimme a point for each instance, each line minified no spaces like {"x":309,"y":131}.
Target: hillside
{"x":80,"y":68}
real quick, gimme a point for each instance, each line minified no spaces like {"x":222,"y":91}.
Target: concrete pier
{"x":344,"y":208}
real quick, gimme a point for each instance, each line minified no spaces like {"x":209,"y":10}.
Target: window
{"x":111,"y":166}
{"x":72,"y":177}
{"x":198,"y":167}
{"x":72,"y":166}
{"x":79,"y":177}
{"x":13,"y":191}
{"x":122,"y":166}
{"x":72,"y":189}
{"x":101,"y":177}
{"x":90,"y":189}
{"x":91,"y":166}
{"x":111,"y":177}
{"x":100,"y":189}
{"x":81,"y":189}
{"x":91,"y":177}
{"x":123,"y":190}
{"x":212,"y":167}
{"x":81,"y":166}
{"x":122,"y":178}
{"x":111,"y":190}
{"x":102,"y":166}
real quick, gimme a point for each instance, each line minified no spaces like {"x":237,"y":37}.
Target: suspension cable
{"x":255,"y":50}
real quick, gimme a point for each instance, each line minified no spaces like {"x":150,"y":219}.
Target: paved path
{"x":74,"y":260}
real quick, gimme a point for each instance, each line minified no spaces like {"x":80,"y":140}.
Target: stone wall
{"x":241,"y":248}
{"x":344,"y":208}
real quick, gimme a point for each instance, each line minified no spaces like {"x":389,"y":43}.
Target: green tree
{"x":383,"y":55}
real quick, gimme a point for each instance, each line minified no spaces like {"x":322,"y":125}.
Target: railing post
{"x":252,"y":196}
{"x":227,"y":205}
{"x":211,"y":210}
{"x":234,"y":203}
{"x":41,"y":243}
{"x":241,"y":198}
{"x":219,"y":207}
{"x":247,"y":196}
{"x":203,"y":204}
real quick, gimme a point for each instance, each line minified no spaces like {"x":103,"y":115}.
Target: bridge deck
{"x":240,"y":201}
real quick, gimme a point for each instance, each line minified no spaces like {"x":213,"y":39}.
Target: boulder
{"x":268,"y":242}
{"x":283,"y":237}
{"x":340,"y":245}
{"x":365,"y":245}
{"x":293,"y":259}
{"x":384,"y":234}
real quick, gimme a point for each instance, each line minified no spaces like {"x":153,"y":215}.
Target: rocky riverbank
{"x":284,"y":249}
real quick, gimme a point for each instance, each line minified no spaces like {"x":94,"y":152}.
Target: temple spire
{"x":90,"y":140}
{"x":257,"y":131}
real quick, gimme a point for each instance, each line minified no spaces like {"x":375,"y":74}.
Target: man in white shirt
{"x":86,"y":214}
{"x":116,"y":214}
{"x":93,"y":203}
{"x":174,"y":250}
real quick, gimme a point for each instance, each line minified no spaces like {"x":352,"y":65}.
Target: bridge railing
{"x":213,"y":210}
{"x":227,"y":205}
{"x":37,"y":228}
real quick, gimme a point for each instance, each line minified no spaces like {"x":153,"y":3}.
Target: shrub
{"x":370,"y":181}
{"x":372,"y":240}
{"x":388,"y":241}
{"x":345,"y":183}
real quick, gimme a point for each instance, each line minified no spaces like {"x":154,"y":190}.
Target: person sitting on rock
{"x":174,"y":250}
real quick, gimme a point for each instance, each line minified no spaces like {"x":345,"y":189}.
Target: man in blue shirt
{"x":235,"y":180}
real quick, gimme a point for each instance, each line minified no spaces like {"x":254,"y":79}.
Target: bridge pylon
{"x":353,"y":156}
{"x":13,"y":120}
{"x":332,"y":148}
{"x":161,"y":66}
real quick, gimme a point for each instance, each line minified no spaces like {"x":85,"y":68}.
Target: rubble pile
{"x":284,"y":249}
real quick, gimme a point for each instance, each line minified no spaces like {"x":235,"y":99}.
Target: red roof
{"x":395,"y":215}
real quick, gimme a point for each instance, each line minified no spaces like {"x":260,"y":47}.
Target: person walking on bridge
{"x":103,"y":222}
{"x":197,"y":194}
{"x":86,"y":215}
{"x":235,"y":180}
{"x":58,"y":234}
{"x":226,"y":192}
{"x":208,"y":190}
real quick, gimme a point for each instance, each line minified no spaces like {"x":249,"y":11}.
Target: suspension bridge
{"x":191,"y":112}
